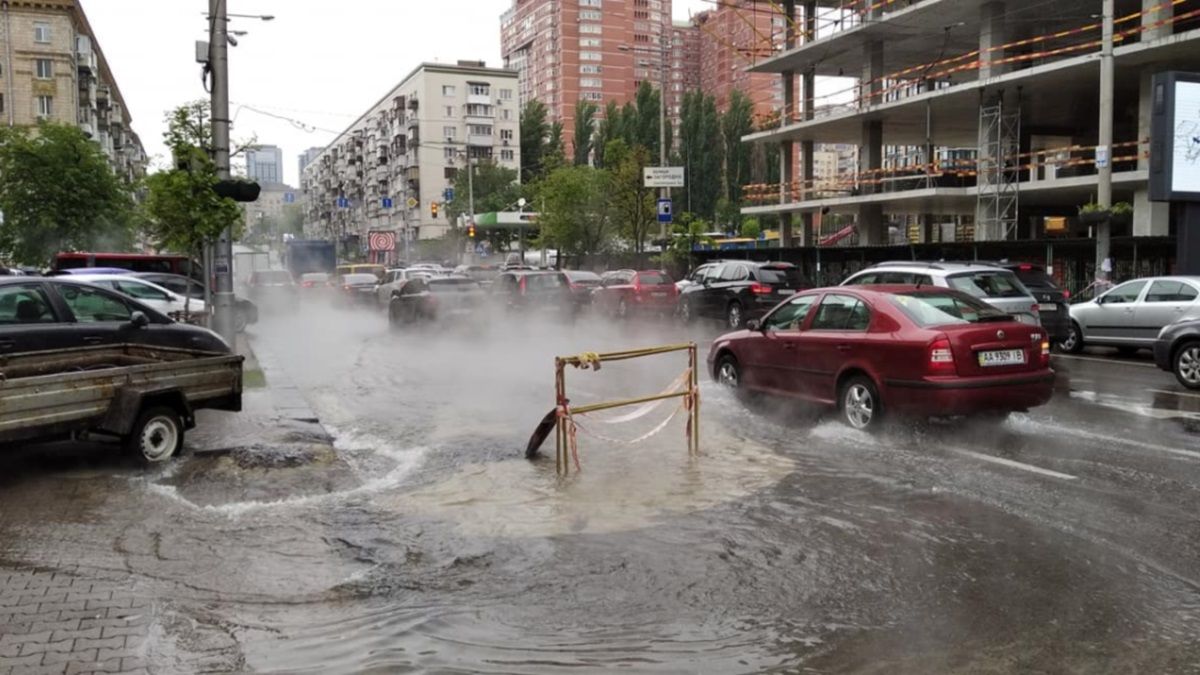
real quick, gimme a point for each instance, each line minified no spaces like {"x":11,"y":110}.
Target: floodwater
{"x":1065,"y":540}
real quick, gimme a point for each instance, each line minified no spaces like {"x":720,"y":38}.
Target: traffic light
{"x":471,"y":230}
{"x":433,"y":209}
{"x":238,"y":190}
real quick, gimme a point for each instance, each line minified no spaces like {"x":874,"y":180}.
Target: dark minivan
{"x":1053,"y":308}
{"x":737,"y":291}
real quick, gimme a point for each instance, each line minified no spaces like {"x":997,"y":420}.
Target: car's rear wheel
{"x":686,"y":313}
{"x":395,"y":321}
{"x":859,"y":404}
{"x":734,"y":316}
{"x":157,"y":435}
{"x":622,"y":309}
{"x":729,"y":373}
{"x":1073,"y":344}
{"x":1187,"y":365}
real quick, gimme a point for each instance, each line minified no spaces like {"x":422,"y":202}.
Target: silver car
{"x":1131,"y":315}
{"x":996,"y":286}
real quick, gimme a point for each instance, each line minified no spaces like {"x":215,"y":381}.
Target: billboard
{"x":1175,"y":137}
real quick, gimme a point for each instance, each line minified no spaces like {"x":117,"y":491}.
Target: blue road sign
{"x":449,"y":194}
{"x":343,"y":203}
{"x":289,"y":198}
{"x":664,"y":210}
{"x":387,"y":202}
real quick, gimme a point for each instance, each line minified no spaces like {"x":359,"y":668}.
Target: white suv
{"x":994,"y":285}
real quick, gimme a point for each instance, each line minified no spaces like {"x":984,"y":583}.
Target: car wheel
{"x":733,"y":315}
{"x":156,"y":436}
{"x":240,"y":320}
{"x":1073,"y":344}
{"x":686,"y":315}
{"x":729,"y":373}
{"x":859,"y":404}
{"x":1187,"y":365}
{"x":394,"y":321}
{"x":622,"y":309}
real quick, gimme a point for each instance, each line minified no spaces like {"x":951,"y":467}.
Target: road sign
{"x":381,"y":240}
{"x":343,"y":203}
{"x":1102,"y":155}
{"x":386,"y":202}
{"x":412,"y":202}
{"x":289,"y":198}
{"x":448,"y":193}
{"x":663,"y":176}
{"x":664,"y":210}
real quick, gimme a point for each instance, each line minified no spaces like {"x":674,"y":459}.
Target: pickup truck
{"x":145,"y":396}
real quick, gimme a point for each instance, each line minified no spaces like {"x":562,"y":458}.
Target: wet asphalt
{"x":408,"y":533}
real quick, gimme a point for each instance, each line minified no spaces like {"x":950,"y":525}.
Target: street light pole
{"x":664,"y":193}
{"x":1104,"y":171}
{"x":223,"y":262}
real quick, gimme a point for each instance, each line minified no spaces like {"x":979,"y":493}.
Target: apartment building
{"x":264,"y":164}
{"x":978,"y":113}
{"x":565,"y":51}
{"x":306,"y":158}
{"x":684,"y":70}
{"x":734,"y":36}
{"x":409,"y":148}
{"x":52,"y":68}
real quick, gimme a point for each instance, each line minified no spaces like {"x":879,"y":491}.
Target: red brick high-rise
{"x":733,"y":36}
{"x":567,"y":50}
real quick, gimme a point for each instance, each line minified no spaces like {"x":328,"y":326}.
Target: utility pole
{"x":664,"y":193}
{"x":223,"y":260}
{"x":1104,"y":168}
{"x":470,"y":196}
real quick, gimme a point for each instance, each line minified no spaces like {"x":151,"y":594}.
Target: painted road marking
{"x":1097,"y":359}
{"x":1174,"y":393}
{"x":1015,"y":465}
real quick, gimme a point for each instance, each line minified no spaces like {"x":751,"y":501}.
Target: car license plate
{"x":658,"y":294}
{"x":1047,"y":307}
{"x":1003,"y":357}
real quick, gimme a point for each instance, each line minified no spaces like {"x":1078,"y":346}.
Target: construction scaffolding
{"x":999,"y":167}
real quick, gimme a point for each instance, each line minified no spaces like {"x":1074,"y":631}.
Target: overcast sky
{"x":320,"y":63}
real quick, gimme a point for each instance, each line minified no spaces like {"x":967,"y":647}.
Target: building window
{"x":448,"y":90}
{"x":506,"y":94}
{"x":506,"y":134}
{"x":44,"y":69}
{"x":449,"y":133}
{"x":589,"y":3}
{"x":507,"y":155}
{"x":593,"y":82}
{"x":589,"y":69}
{"x":479,"y":110}
{"x":593,"y":28}
{"x":479,"y":130}
{"x":480,"y":90}
{"x":41,"y":33}
{"x":476,"y":152}
{"x":590,"y":15}
{"x":590,"y":42}
{"x":590,"y":56}
{"x":593,"y":96}
{"x":449,"y":111}
{"x":45,"y":106}
{"x":448,"y":153}
{"x":450,"y":173}
{"x":1,"y":103}
{"x":506,"y":114}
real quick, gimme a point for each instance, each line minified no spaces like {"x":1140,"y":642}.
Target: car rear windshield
{"x":359,"y":279}
{"x":545,"y":281}
{"x":579,"y":276}
{"x":654,"y":279}
{"x":988,"y":284}
{"x":783,"y":276}
{"x":452,"y":285}
{"x":273,"y":277}
{"x":314,"y":276}
{"x":941,"y":309}
{"x":1035,"y":277}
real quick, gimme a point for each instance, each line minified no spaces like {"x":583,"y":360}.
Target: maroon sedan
{"x":919,"y":351}
{"x":626,"y":292}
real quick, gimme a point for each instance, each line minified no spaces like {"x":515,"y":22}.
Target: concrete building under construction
{"x":975,"y":120}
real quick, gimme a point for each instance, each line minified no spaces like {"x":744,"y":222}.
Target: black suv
{"x":42,"y":314}
{"x":1178,"y":350}
{"x":1053,"y":308}
{"x":736,"y":291}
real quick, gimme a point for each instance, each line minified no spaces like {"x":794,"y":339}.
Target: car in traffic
{"x":245,"y":311}
{"x":484,"y":274}
{"x":395,"y":278}
{"x":737,"y":291}
{"x":361,"y":268}
{"x":357,"y":290}
{"x":428,"y":299}
{"x":996,"y":286}
{"x":527,"y":291}
{"x":1054,"y":307}
{"x":871,"y":351}
{"x":582,"y":283}
{"x":49,"y":313}
{"x":1177,"y":350}
{"x":624,"y":293}
{"x":178,"y":307}
{"x":1131,"y":315}
{"x":315,"y":287}
{"x":272,"y":289}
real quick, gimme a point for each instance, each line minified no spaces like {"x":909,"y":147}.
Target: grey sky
{"x":321,"y":63}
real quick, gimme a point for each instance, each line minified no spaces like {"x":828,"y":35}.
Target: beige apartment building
{"x":409,"y":148}
{"x":51,"y":67}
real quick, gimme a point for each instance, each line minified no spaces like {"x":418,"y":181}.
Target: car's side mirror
{"x":754,"y":325}
{"x":139,"y":320}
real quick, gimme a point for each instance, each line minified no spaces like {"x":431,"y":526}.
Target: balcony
{"x":480,"y":140}
{"x":479,"y":99}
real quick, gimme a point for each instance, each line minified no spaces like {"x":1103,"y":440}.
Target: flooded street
{"x":1064,"y":540}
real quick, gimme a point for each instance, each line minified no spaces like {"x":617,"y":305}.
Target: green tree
{"x":585,"y":126}
{"x":648,"y":117}
{"x":576,"y":217}
{"x":496,"y":189}
{"x":534,"y":131}
{"x":738,"y":121}
{"x":183,"y":212}
{"x":610,"y":129}
{"x":701,"y":152}
{"x":58,"y":193}
{"x":751,"y":229}
{"x":556,"y":156}
{"x":633,"y":204}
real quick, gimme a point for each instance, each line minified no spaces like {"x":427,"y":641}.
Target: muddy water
{"x":1063,"y":540}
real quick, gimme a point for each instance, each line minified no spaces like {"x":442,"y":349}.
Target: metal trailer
{"x":144,"y":396}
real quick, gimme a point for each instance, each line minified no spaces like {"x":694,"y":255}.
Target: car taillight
{"x":941,"y":357}
{"x":307,"y":284}
{"x":1045,"y":360}
{"x":760,"y":289}
{"x":1066,"y":294}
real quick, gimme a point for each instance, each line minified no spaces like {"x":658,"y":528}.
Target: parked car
{"x":696,"y":276}
{"x":272,"y":288}
{"x":434,"y":299}
{"x":1054,"y":310}
{"x":737,"y":291}
{"x":48,"y":313}
{"x":357,"y":289}
{"x":178,"y":307}
{"x":869,"y":350}
{"x":1177,"y":350}
{"x":996,"y":286}
{"x":625,"y":292}
{"x":1131,"y":316}
{"x":246,"y":311}
{"x":528,"y":291}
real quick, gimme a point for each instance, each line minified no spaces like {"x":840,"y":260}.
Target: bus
{"x":134,"y":262}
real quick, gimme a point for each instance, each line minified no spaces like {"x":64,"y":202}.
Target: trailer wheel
{"x":156,"y":436}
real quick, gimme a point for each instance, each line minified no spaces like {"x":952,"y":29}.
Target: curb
{"x":286,"y":396}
